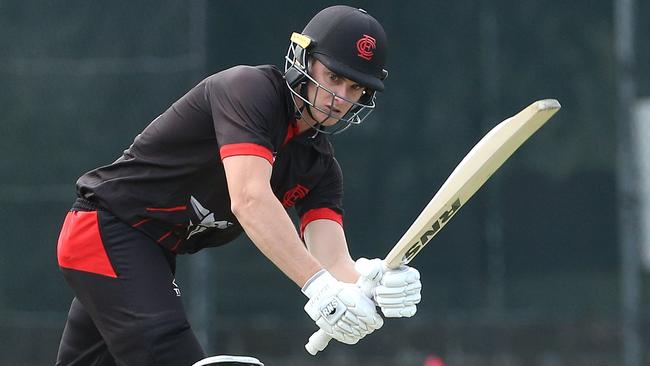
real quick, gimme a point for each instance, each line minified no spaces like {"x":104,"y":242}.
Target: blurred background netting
{"x":530,"y":272}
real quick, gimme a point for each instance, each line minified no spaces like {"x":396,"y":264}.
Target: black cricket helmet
{"x":350,"y":43}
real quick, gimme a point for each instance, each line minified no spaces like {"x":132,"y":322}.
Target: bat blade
{"x":470,"y":174}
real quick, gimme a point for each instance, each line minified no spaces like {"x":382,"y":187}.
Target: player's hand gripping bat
{"x":472,"y":172}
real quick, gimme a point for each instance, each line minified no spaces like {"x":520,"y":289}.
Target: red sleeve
{"x":244,"y":148}
{"x":319,"y":214}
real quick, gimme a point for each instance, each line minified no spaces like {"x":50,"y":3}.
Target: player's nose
{"x":341,"y":94}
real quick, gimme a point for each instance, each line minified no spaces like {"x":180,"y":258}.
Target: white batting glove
{"x":340,"y":309}
{"x":397,"y":291}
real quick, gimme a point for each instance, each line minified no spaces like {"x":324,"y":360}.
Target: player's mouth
{"x":333,"y":111}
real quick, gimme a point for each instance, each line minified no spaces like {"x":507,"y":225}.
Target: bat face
{"x":470,"y":174}
{"x":431,"y":231}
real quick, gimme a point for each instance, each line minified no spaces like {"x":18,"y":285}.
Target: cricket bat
{"x":472,"y":172}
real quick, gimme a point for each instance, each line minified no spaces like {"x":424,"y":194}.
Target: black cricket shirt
{"x":170,"y":183}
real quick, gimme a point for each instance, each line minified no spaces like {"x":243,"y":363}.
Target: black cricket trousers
{"x":127,"y":309}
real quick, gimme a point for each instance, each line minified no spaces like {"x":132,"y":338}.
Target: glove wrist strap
{"x":317,"y":282}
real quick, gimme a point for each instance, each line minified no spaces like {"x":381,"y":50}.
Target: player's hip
{"x":96,"y":241}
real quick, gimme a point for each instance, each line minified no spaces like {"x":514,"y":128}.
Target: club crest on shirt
{"x":206,"y":218}
{"x":294,"y":194}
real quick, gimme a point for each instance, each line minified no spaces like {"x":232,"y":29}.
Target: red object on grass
{"x":433,"y":361}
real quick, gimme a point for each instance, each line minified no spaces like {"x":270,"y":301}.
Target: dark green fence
{"x":526,"y":274}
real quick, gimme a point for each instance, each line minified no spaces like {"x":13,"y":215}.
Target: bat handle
{"x":317,"y":342}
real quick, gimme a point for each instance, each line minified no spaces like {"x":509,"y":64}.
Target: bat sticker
{"x":429,"y":234}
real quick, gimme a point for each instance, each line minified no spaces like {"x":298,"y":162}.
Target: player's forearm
{"x":267,"y":224}
{"x":343,"y":269}
{"x":326,"y":241}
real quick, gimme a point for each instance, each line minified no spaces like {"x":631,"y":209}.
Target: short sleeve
{"x":245,"y":106}
{"x":325,"y":200}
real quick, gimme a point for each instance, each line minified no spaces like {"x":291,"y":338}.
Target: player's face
{"x":331,"y":107}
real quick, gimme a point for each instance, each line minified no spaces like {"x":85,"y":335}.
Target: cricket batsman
{"x":232,"y":155}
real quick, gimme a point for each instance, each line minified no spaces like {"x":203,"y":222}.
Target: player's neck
{"x":303,"y":125}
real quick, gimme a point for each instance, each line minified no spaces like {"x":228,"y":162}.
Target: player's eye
{"x":333,"y":77}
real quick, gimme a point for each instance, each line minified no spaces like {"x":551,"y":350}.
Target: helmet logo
{"x":365,"y":46}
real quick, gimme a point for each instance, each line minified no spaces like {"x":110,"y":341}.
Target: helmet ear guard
{"x":296,"y":65}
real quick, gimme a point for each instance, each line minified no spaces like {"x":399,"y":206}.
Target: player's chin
{"x":331,"y":121}
{"x":328,"y":120}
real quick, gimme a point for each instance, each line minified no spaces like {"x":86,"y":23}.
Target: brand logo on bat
{"x":431,"y":232}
